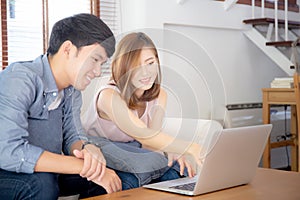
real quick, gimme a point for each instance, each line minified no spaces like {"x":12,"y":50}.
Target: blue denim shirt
{"x":27,"y":127}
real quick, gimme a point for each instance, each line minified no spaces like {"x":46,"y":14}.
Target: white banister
{"x":286,"y":19}
{"x":180,"y":1}
{"x":229,"y":3}
{"x":262,"y":8}
{"x":253,"y":9}
{"x":275,"y":16}
{"x":276,"y":19}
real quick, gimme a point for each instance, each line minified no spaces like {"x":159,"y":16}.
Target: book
{"x":284,"y":79}
{"x":282,"y":82}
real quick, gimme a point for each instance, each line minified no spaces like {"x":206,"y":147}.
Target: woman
{"x":126,"y":115}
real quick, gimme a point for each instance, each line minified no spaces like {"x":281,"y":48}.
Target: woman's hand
{"x":94,"y":162}
{"x":195,"y":150}
{"x":183,"y":163}
{"x":110,"y":181}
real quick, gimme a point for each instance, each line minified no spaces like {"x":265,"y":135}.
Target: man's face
{"x":87,"y":65}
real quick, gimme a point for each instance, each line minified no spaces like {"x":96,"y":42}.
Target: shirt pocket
{"x":38,"y":110}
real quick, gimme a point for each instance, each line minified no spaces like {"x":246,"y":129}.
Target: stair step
{"x":264,"y":21}
{"x":281,"y":43}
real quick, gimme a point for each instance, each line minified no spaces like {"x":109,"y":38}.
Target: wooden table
{"x":267,"y":184}
{"x":281,"y":96}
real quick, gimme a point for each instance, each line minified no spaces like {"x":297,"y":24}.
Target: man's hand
{"x":110,"y":181}
{"x":94,"y":162}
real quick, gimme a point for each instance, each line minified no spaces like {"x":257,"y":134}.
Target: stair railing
{"x":253,"y":9}
{"x":275,"y":16}
{"x":276,"y":19}
{"x":262,"y":9}
{"x":286,"y":19}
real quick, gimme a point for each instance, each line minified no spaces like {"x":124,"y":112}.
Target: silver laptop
{"x":232,"y":159}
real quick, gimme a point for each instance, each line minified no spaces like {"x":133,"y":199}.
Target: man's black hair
{"x":82,"y":30}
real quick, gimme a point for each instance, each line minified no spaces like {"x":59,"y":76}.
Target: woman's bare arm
{"x":111,"y":103}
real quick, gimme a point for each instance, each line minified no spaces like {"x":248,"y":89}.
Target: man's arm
{"x":94,"y":166}
{"x":17,"y":154}
{"x":94,"y":163}
{"x":58,"y":163}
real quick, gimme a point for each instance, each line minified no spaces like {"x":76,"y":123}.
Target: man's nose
{"x":97,"y":71}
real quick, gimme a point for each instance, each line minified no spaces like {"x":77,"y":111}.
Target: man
{"x":40,"y":130}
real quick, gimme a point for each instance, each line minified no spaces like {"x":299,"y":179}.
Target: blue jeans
{"x":130,"y":157}
{"x":46,"y":186}
{"x":171,"y":174}
{"x":28,"y":186}
{"x":74,"y":184}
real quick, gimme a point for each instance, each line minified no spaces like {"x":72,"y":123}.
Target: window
{"x":24,"y":29}
{"x":26,"y":24}
{"x":109,"y":11}
{"x":110,"y":14}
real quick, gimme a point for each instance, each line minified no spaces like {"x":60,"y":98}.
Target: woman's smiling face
{"x":144,"y":75}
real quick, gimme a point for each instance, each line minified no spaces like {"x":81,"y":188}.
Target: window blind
{"x":111,"y":15}
{"x":21,"y":31}
{"x":26,"y":24}
{"x":22,"y":26}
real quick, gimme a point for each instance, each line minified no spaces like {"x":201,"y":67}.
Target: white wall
{"x":207,"y":61}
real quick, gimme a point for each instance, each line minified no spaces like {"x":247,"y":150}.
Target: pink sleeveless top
{"x":96,"y":126}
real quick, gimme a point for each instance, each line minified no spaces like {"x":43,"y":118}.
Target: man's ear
{"x":66,"y":47}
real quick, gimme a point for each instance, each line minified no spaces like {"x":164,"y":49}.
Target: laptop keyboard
{"x":188,"y":186}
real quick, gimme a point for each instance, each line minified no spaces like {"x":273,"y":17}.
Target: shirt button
{"x":54,"y":94}
{"x":70,"y":91}
{"x":44,"y":106}
{"x":22,"y":159}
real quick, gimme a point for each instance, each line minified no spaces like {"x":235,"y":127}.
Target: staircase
{"x":275,"y":37}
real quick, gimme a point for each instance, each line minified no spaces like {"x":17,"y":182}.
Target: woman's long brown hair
{"x":126,"y":58}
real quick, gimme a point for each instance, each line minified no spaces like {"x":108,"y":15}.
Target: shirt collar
{"x":47,"y":76}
